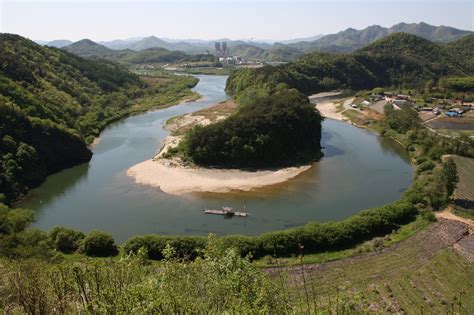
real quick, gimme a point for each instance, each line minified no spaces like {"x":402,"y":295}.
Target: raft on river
{"x":227,"y":211}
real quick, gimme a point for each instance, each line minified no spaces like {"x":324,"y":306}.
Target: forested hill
{"x":88,"y":49}
{"x":463,"y":50}
{"x":51,"y":104}
{"x":399,"y":59}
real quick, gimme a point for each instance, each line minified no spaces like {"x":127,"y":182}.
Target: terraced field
{"x":464,"y":194}
{"x":425,"y":274}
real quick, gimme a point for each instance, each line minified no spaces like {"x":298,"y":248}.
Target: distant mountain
{"x":344,"y":41}
{"x":162,"y":55}
{"x":192,"y":46}
{"x":88,"y":49}
{"x":303,"y":39}
{"x":352,"y":39}
{"x":443,"y":34}
{"x":149,"y":42}
{"x":58,"y":43}
{"x":120,"y":43}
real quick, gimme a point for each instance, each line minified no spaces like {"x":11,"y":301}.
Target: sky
{"x":212,"y":19}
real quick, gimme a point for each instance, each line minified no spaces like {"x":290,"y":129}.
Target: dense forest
{"x":53,"y":104}
{"x":272,"y":130}
{"x":397,"y":60}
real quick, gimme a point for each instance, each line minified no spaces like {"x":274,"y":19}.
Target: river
{"x":359,"y":170}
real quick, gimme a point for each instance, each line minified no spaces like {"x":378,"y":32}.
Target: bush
{"x":99,"y":244}
{"x":188,"y":247}
{"x":428,"y":216}
{"x":66,"y":240}
{"x":425,"y":166}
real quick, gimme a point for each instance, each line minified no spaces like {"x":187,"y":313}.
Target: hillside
{"x":348,"y":40}
{"x":247,"y":51}
{"x":280,"y":52}
{"x":463,"y":49}
{"x":54,"y":103}
{"x":397,"y":60}
{"x":59,"y":100}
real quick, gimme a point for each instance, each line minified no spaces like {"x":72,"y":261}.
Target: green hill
{"x":442,"y":34}
{"x":50,"y":102}
{"x":162,"y":55}
{"x":88,"y":49}
{"x":463,"y":49}
{"x":280,"y":52}
{"x":247,"y":51}
{"x":397,"y":60}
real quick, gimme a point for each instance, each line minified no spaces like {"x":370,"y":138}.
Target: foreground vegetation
{"x":421,"y":275}
{"x":53,"y":104}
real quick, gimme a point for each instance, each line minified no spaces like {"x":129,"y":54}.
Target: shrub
{"x":428,"y":216}
{"x":425,"y":166}
{"x":66,"y":240}
{"x":185,"y":246}
{"x":99,"y":244}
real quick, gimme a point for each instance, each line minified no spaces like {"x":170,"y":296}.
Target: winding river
{"x":359,"y":170}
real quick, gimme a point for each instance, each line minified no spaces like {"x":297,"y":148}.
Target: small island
{"x":263,"y":141}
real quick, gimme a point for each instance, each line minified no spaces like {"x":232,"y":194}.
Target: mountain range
{"x":352,"y":39}
{"x":345,"y":41}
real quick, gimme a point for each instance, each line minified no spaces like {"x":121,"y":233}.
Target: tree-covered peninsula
{"x":278,"y":129}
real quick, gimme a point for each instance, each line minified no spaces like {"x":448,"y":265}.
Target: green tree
{"x":99,"y":244}
{"x":66,"y":240}
{"x":450,"y":175}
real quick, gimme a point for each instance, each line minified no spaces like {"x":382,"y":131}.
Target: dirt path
{"x":449,"y":215}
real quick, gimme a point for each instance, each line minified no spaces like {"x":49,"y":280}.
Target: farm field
{"x":424,"y":274}
{"x":443,"y":122}
{"x":464,"y":194}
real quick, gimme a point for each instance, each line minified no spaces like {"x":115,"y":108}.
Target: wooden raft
{"x":227,"y":212}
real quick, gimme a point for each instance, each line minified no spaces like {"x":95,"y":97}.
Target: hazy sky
{"x":258,"y":19}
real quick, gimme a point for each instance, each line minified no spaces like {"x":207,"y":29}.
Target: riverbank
{"x":173,"y":176}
